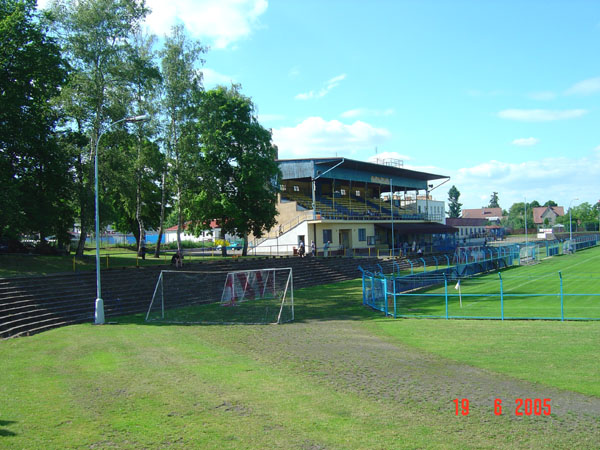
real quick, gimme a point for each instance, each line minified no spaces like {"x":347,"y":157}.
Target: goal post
{"x":257,"y":296}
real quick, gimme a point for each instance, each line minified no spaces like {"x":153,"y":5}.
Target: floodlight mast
{"x":99,"y":308}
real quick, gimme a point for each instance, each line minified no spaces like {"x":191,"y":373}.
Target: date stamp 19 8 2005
{"x":521,"y":407}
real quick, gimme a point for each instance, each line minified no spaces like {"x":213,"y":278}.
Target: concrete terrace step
{"x":30,"y":305}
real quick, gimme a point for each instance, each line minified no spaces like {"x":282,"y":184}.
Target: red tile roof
{"x":481,"y":213}
{"x":539,"y":212}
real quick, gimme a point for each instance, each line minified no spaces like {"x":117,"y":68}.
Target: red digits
{"x":537,"y":407}
{"x":519,"y":403}
{"x":498,"y":407}
{"x":464,"y":404}
{"x":546,"y":406}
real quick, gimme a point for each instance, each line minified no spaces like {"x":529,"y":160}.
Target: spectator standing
{"x":313,"y":248}
{"x":143,"y":246}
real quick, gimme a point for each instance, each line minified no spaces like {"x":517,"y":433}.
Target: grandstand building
{"x":344,"y":205}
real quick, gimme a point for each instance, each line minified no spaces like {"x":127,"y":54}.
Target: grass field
{"x":340,"y":376}
{"x":12,"y":265}
{"x":527,"y":292}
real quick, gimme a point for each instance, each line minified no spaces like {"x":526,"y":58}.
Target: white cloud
{"x":542,"y":96}
{"x":219,"y":22}
{"x":329,"y":85}
{"x":212,"y":78}
{"x":358,"y":112}
{"x":558,"y":179}
{"x":525,"y":142}
{"x":540,"y":115}
{"x":316,"y":136}
{"x":585,"y":87}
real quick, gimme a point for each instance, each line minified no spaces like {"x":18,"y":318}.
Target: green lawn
{"x":341,"y":376}
{"x":21,"y":264}
{"x":527,"y":292}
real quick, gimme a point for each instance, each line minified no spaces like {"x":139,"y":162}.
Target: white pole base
{"x":99,"y":316}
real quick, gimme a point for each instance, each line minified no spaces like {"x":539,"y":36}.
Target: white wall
{"x":286,"y":241}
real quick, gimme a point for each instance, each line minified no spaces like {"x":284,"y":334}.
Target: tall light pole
{"x":570,"y":225}
{"x":99,"y":312}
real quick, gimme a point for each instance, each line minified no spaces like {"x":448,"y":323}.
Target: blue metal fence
{"x":508,"y":298}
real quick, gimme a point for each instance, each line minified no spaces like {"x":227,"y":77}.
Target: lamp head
{"x":142,"y":118}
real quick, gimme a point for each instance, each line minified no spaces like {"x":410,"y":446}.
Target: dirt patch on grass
{"x":350,"y":358}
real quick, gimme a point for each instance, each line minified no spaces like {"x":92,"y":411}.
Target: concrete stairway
{"x":30,"y":305}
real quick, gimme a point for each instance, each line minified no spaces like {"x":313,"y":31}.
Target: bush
{"x":188,"y":244}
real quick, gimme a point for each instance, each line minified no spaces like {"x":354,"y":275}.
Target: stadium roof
{"x":366,"y":167}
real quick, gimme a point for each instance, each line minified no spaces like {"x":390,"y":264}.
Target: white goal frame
{"x":286,"y":295}
{"x":232,"y":300}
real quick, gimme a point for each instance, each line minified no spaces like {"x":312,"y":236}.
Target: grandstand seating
{"x":351,"y":207}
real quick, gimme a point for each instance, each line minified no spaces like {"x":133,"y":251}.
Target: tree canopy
{"x":34,"y":168}
{"x":454,"y":207}
{"x":494,"y":201}
{"x":239,"y":174}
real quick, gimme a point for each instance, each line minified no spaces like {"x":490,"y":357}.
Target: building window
{"x":343,"y":191}
{"x":358,"y":193}
{"x":362,"y":234}
{"x":327,"y":236}
{"x":296,"y":188}
{"x":283,"y":187}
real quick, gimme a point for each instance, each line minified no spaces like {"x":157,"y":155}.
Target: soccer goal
{"x":242,"y":297}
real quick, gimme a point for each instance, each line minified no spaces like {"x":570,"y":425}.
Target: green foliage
{"x":34,"y":169}
{"x":182,"y":86}
{"x":454,"y":207}
{"x":516,"y":216}
{"x":239,"y":171}
{"x":95,"y":37}
{"x":190,"y":244}
{"x":494,"y":201}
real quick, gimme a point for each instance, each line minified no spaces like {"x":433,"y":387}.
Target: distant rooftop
{"x":482,"y":213}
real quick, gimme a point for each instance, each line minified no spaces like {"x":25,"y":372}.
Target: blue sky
{"x":499,"y":95}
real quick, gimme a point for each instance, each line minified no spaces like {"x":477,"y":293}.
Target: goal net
{"x":246,"y":297}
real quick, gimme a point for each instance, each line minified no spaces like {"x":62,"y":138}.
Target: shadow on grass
{"x":339,"y":301}
{"x":6,"y":433}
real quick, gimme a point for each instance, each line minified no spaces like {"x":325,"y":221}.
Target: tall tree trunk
{"x":162,"y":216}
{"x":179,"y":218}
{"x":83,"y":206}
{"x":245,"y":249}
{"x":82,"y":238}
{"x":138,"y":214}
